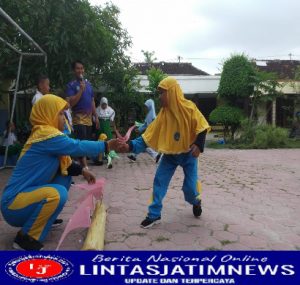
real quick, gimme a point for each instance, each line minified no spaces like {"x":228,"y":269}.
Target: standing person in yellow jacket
{"x":178,"y":133}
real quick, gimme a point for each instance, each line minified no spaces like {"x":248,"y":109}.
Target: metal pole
{"x":14,"y":105}
{"x":11,"y":21}
{"x":8,"y":18}
{"x":32,"y":54}
{"x":11,"y":46}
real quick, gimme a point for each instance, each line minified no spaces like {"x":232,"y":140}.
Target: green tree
{"x":119,"y":74}
{"x":123,"y":92}
{"x":155,"y":75}
{"x":229,"y":117}
{"x":149,"y":56}
{"x":237,"y":79}
{"x":266,"y":88}
{"x":296,"y":86}
{"x":66,"y":30}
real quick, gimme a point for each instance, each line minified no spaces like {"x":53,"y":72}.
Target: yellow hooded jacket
{"x":176,"y":127}
{"x":44,"y":121}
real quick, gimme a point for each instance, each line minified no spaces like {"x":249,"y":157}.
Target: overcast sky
{"x":205,"y":32}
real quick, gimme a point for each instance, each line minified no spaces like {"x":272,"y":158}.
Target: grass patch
{"x":193,"y":226}
{"x":136,"y":234}
{"x":212,"y":248}
{"x":290,"y":143}
{"x":109,"y":242}
{"x":161,"y":239}
{"x":224,"y":242}
{"x":216,"y":145}
{"x":141,"y":189}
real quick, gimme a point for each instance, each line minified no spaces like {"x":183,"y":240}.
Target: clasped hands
{"x":118,"y":145}
{"x":121,"y":146}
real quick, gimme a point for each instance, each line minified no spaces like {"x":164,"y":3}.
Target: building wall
{"x":191,"y":84}
{"x":290,"y":87}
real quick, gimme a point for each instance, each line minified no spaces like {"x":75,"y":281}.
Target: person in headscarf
{"x":38,"y":188}
{"x":106,"y":116}
{"x":151,"y":115}
{"x":178,"y":133}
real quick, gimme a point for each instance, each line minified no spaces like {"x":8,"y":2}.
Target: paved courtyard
{"x":251,"y":201}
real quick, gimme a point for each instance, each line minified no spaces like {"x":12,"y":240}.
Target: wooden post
{"x":96,"y":233}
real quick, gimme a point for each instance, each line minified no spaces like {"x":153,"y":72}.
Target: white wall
{"x":191,"y":84}
{"x":290,"y":87}
{"x":209,"y":84}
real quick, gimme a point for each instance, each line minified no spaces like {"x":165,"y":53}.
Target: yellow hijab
{"x":176,"y":126}
{"x":44,"y":121}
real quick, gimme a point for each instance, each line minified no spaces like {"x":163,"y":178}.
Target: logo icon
{"x":177,"y":136}
{"x":39,"y":268}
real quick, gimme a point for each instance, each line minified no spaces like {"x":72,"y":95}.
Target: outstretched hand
{"x":88,"y":176}
{"x":195,"y":150}
{"x":118,"y":145}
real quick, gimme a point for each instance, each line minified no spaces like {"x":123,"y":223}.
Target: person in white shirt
{"x":9,"y":137}
{"x":43,"y":87}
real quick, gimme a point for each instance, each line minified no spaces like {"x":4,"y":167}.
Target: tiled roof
{"x":171,"y":68}
{"x":285,"y":69}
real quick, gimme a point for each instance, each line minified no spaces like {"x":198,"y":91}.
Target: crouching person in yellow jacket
{"x":38,"y":188}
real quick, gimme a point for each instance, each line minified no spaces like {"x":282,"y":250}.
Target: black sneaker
{"x":197,"y":209}
{"x":148,"y":223}
{"x":57,"y":222}
{"x":132,"y":158}
{"x":109,"y":166}
{"x":26,"y":242}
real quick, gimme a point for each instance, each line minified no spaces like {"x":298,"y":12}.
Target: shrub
{"x":270,"y":137}
{"x":227,"y":116}
{"x":248,"y":128}
{"x":263,"y":136}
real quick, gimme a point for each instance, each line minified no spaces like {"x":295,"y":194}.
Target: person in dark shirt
{"x":80,"y":96}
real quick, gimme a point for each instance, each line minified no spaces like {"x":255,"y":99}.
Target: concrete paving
{"x":251,"y":201}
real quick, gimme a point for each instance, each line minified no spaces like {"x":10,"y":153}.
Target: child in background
{"x":99,"y":159}
{"x":111,"y":155}
{"x":106,"y":116}
{"x":43,"y":87}
{"x":10,"y":141}
{"x":150,"y":117}
{"x":9,"y":136}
